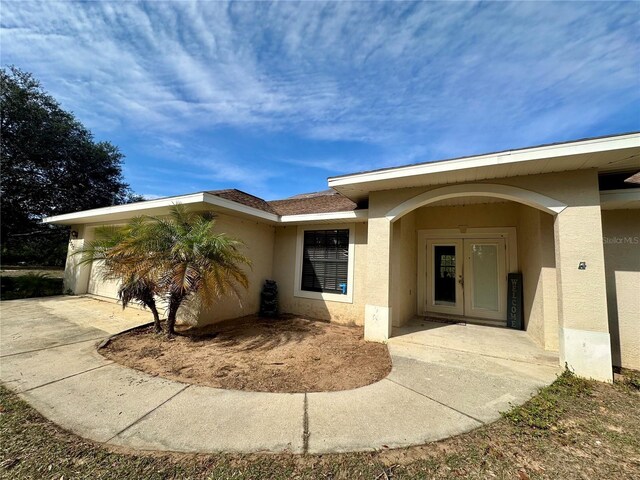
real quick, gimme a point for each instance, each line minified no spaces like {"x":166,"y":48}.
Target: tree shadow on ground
{"x":254,"y":332}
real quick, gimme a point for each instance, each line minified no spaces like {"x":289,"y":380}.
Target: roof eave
{"x":127,"y":211}
{"x":351,"y":215}
{"x":507,"y":157}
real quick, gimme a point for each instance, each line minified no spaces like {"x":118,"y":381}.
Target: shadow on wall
{"x":621,"y":238}
{"x":536,"y":261}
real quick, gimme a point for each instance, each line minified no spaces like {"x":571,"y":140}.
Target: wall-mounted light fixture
{"x":582,"y":266}
{"x":74,"y":234}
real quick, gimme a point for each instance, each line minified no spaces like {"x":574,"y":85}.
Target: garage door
{"x":98,"y":286}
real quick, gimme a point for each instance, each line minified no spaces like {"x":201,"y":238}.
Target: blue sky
{"x":274,"y":98}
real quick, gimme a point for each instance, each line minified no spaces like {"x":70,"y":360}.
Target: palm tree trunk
{"x":174,"y":304}
{"x":156,"y":316}
{"x":150,"y":303}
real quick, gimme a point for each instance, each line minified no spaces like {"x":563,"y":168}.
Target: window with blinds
{"x":325,"y":260}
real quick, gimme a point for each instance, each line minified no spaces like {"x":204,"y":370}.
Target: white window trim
{"x":330,"y":297}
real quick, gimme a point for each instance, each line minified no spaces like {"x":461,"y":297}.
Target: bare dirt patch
{"x":289,"y":355}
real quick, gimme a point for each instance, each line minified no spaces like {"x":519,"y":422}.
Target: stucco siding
{"x":504,"y":214}
{"x":621,"y":230}
{"x":549,"y":283}
{"x":76,"y":274}
{"x":530,"y":262}
{"x":403,"y":269}
{"x":284,"y":265}
{"x":536,"y":260}
{"x":258,"y":239}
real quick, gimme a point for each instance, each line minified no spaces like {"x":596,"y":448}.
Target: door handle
{"x":461,"y":280}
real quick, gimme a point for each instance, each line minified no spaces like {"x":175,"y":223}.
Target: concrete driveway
{"x":48,"y":355}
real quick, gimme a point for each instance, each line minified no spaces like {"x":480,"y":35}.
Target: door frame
{"x":507,"y":233}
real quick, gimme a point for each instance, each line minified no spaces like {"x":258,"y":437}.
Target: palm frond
{"x":174,"y":257}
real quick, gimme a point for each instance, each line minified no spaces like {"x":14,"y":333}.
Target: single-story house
{"x":439,"y":239}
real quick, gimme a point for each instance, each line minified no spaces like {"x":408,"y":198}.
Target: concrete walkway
{"x":48,"y":355}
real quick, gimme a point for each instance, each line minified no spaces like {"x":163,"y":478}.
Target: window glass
{"x":325,"y":261}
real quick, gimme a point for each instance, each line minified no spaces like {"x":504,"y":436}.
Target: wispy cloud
{"x":408,"y":81}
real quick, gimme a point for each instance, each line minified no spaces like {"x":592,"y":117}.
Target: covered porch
{"x":529,"y":225}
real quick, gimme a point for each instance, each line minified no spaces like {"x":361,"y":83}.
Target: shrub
{"x":30,"y":285}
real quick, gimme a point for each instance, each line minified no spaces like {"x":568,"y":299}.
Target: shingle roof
{"x":635,"y":178}
{"x":318,"y":202}
{"x":243,"y":198}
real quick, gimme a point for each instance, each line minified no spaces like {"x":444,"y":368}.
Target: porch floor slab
{"x":445,"y":380}
{"x":482,"y":340}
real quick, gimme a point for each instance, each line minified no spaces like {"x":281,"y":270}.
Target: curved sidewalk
{"x":48,"y":355}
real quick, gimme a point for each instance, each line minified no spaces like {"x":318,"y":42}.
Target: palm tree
{"x":190,"y":260}
{"x":119,"y":262}
{"x":175,"y":257}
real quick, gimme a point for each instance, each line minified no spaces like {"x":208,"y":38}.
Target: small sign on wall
{"x":515,"y":315}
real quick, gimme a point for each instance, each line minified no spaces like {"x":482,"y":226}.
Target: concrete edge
{"x":105,"y":341}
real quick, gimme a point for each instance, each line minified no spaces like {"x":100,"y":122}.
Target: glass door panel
{"x":486,"y":278}
{"x":444,"y":277}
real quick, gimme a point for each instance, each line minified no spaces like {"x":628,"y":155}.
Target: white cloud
{"x":403,"y":76}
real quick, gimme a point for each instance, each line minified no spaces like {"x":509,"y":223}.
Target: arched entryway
{"x":453,"y":248}
{"x":569,"y":259}
{"x":506,"y":192}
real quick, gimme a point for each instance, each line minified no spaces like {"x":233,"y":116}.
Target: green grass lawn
{"x":572,"y":429}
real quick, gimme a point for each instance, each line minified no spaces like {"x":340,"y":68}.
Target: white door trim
{"x":508,"y":233}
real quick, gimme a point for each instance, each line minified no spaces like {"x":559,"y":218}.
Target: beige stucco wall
{"x":76,"y":274}
{"x":284,"y":265}
{"x":621,"y":230}
{"x":258,"y":241}
{"x":403,"y":269}
{"x":536,"y":261}
{"x":503,"y":214}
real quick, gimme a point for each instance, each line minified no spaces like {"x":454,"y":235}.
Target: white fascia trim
{"x":502,"y":158}
{"x":129,"y":207}
{"x":620,"y":195}
{"x":203,"y":197}
{"x":238,"y":207}
{"x":354,"y":215}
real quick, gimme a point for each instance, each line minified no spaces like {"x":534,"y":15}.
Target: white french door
{"x":467,"y":277}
